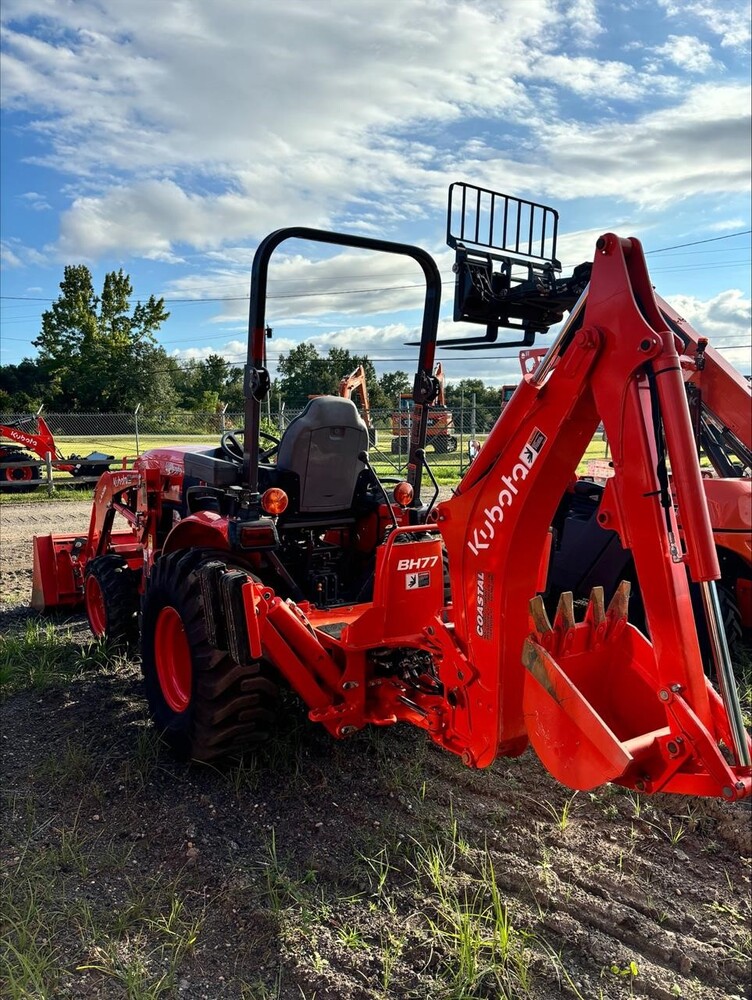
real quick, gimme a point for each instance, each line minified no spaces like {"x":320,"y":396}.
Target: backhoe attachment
{"x":642,"y":735}
{"x":601,"y":701}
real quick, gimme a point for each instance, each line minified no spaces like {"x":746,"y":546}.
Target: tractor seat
{"x":321,"y":447}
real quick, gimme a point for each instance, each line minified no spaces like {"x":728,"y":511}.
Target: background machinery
{"x":285,"y":563}
{"x":33,"y":434}
{"x":440,"y":431}
{"x":356,"y":382}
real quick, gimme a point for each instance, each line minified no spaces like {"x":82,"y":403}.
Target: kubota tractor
{"x":285,"y":563}
{"x":34,"y":434}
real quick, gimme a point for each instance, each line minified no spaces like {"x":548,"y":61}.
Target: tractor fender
{"x":204,"y":529}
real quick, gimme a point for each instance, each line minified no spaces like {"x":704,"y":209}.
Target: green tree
{"x":487,"y":400}
{"x":212,"y":378}
{"x":304,"y":373}
{"x":393,"y":384}
{"x":23,"y":387}
{"x":97,"y":352}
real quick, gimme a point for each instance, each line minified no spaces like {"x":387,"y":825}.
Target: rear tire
{"x":27,"y":475}
{"x":203,"y":703}
{"x":111,"y":599}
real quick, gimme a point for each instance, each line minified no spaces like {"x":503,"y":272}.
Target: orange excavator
{"x":356,"y":382}
{"x":440,"y":431}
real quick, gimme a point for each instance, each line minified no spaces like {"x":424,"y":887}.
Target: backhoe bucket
{"x":596,"y":711}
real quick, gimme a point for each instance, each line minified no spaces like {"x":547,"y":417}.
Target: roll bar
{"x":256,"y":383}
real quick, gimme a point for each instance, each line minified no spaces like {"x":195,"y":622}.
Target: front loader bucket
{"x":596,"y":711}
{"x":56,"y":580}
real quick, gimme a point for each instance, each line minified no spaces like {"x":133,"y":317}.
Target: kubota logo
{"x":20,"y":436}
{"x":482,"y":537}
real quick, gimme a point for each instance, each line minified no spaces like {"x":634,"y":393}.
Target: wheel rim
{"x":173,"y":660}
{"x":95,"y":608}
{"x":18,"y":475}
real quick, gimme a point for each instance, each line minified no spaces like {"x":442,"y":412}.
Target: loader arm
{"x":41,"y":441}
{"x":592,"y":697}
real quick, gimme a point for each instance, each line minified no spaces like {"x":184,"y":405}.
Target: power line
{"x":694,"y":243}
{"x":385,"y":288}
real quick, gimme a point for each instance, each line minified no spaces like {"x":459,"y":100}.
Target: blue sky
{"x":167,"y":137}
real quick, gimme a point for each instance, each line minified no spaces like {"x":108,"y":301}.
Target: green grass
{"x":138,"y":946}
{"x":45,"y":655}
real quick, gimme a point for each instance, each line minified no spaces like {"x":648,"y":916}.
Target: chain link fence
{"x":129,"y":434}
{"x":454,"y":435}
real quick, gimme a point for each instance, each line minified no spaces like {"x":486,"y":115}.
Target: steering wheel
{"x":230,"y":445}
{"x":234,"y":449}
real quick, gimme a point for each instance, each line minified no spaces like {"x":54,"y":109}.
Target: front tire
{"x":203,"y":703}
{"x":111,"y":599}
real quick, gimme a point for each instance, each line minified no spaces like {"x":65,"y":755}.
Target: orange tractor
{"x":271,"y":563}
{"x":19,"y":472}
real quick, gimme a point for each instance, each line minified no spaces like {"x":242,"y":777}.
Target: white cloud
{"x":582,"y":16}
{"x":724,"y":318}
{"x":15,"y":254}
{"x":728,"y":19}
{"x":35,"y":201}
{"x":233,"y":351}
{"x":8,"y":256}
{"x":699,"y":145}
{"x":188,"y":129}
{"x":605,"y":80}
{"x":687,"y":52}
{"x":299,"y":286}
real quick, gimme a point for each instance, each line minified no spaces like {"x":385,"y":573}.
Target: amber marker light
{"x":403,"y":494}
{"x":274,"y":501}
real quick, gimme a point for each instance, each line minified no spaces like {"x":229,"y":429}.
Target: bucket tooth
{"x":564,"y":618}
{"x":618,"y":606}
{"x":539,"y":616}
{"x":596,"y":609}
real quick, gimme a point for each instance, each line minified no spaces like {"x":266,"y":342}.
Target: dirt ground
{"x":373,"y":867}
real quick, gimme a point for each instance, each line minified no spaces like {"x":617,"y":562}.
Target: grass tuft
{"x":45,"y":655}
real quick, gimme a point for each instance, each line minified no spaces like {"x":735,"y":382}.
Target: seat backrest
{"x":321,"y":446}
